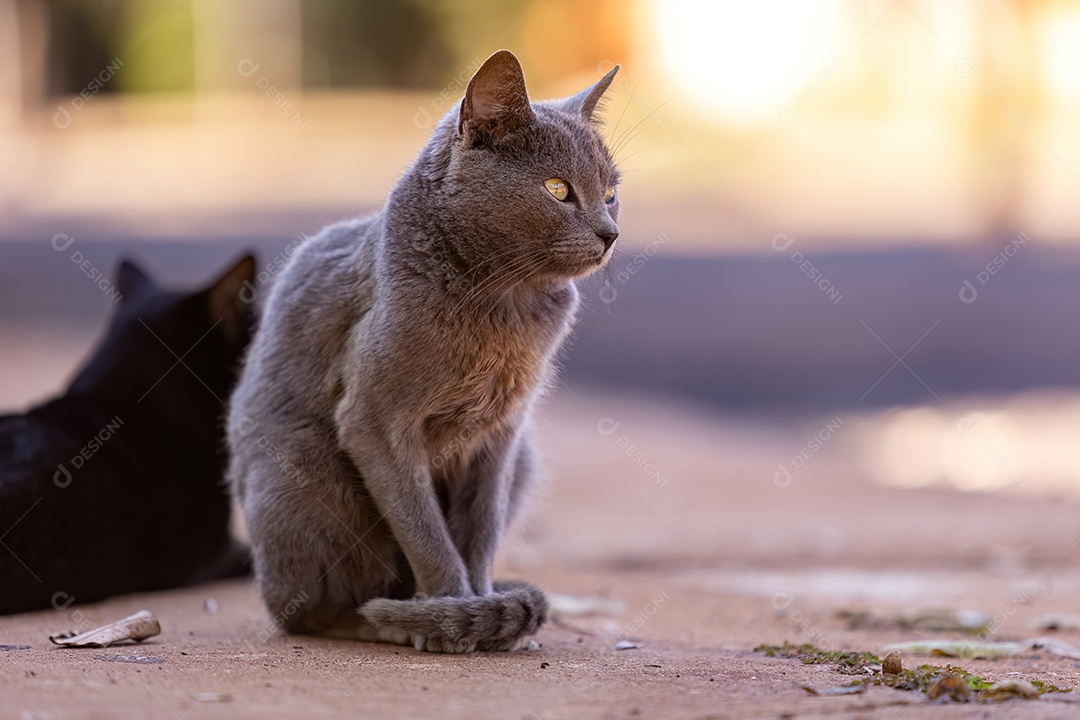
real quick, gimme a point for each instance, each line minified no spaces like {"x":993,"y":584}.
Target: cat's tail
{"x":497,"y":621}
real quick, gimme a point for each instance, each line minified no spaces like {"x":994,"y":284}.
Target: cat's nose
{"x":608,"y":236}
{"x":607,"y":231}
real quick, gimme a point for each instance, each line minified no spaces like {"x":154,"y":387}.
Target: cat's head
{"x":182,"y":348}
{"x":531,"y":188}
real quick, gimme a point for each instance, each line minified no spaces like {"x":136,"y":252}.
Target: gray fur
{"x":453,"y":624}
{"x":381,"y":430}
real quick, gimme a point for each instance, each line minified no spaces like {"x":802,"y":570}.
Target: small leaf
{"x":137,"y":627}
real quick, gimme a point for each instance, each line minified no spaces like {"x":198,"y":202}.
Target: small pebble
{"x":952,"y":688}
{"x":892,"y":664}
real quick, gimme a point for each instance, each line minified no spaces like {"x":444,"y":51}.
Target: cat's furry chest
{"x":474,"y":404}
{"x":503,"y":363}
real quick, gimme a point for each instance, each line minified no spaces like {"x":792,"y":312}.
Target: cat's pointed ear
{"x":232,"y":297}
{"x":131,"y":280}
{"x":586,"y":101}
{"x":496,"y":101}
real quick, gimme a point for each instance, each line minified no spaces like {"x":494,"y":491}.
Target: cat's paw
{"x":444,"y":644}
{"x":525,"y":610}
{"x":495,"y":622}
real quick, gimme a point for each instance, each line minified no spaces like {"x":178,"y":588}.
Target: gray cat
{"x":381,"y":430}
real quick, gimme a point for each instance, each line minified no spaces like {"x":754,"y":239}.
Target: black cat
{"x":117,"y":486}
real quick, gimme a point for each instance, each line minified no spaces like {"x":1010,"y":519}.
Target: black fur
{"x":116,"y":486}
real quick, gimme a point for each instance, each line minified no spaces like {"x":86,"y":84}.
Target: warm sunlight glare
{"x":1019,"y":445}
{"x":744,"y":59}
{"x":1061,"y":49}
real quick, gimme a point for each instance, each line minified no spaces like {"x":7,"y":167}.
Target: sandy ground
{"x":703,"y":555}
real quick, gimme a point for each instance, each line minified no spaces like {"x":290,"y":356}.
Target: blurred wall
{"x":841,"y":122}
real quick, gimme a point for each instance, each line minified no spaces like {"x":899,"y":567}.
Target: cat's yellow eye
{"x":609,"y":196}
{"x":558,"y":188}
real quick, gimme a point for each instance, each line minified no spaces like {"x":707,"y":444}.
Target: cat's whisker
{"x":616,"y":141}
{"x":495,"y":274}
{"x":626,"y":138}
{"x":493,"y":279}
{"x":502,"y":252}
{"x":519,"y":254}
{"x":633,"y":92}
{"x":501,"y":297}
{"x":626,"y":142}
{"x":479,"y":265}
{"x":523,"y":276}
{"x":648,"y":115}
{"x":622,"y":168}
{"x":478,"y":287}
{"x":530,"y":263}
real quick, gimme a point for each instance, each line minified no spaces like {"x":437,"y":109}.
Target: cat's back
{"x":30,"y":446}
{"x":325,"y":289}
{"x":37,"y":442}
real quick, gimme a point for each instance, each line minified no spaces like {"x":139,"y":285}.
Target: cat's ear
{"x":231,"y":299}
{"x":496,"y":101}
{"x":131,"y":280}
{"x":586,"y":101}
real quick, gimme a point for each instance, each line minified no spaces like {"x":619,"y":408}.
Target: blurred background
{"x":849,"y":230}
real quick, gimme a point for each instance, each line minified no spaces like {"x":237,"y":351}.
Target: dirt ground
{"x":672,"y":517}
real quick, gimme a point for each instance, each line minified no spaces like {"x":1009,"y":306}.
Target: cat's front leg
{"x":478,"y":507}
{"x":402,"y":489}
